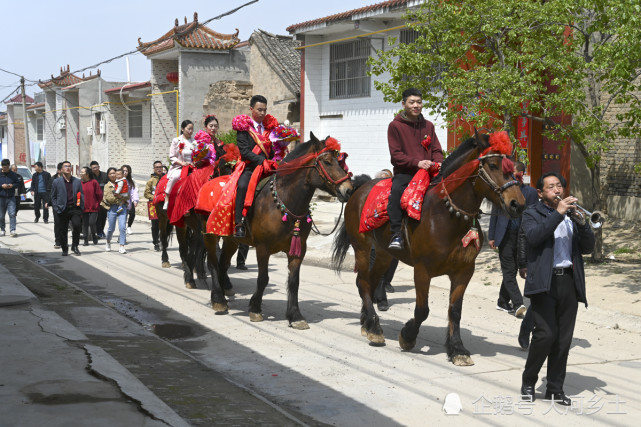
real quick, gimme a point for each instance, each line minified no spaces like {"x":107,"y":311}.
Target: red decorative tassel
{"x":78,"y":199}
{"x":295,"y":247}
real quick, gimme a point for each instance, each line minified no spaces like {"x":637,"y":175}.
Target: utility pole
{"x":27,"y":145}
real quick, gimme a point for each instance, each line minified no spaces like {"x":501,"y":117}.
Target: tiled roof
{"x":64,"y":79}
{"x":36,"y":106}
{"x":18,"y":100}
{"x":347,"y":15}
{"x":190,"y":35}
{"x":279,"y":52}
{"x":128,"y":87}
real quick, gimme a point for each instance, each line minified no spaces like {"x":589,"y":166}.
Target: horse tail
{"x":341,"y":240}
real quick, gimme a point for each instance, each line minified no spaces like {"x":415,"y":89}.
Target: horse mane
{"x":300,"y":155}
{"x":450,"y":164}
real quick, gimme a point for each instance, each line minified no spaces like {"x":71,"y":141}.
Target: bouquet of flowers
{"x":204,"y":153}
{"x":280,"y":137}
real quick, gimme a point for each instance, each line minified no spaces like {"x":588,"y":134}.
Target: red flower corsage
{"x":426,"y":141}
{"x":270,"y":122}
{"x":181,"y":146}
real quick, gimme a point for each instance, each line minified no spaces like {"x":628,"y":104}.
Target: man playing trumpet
{"x":555,"y":282}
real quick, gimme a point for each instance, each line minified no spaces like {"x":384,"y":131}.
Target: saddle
{"x":374,"y":213}
{"x":184,"y":194}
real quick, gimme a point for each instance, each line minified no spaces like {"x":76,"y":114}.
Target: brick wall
{"x":163,"y":107}
{"x":227,"y":99}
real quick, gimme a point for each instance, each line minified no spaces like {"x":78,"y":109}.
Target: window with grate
{"x":135,"y":121}
{"x":40,"y":129}
{"x":348,"y":69}
{"x":409,"y":36}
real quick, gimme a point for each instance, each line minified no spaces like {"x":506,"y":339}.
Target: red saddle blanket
{"x":209,"y":194}
{"x":374,"y":213}
{"x":159,"y":195}
{"x":184,"y":194}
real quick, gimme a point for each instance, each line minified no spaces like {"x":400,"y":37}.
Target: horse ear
{"x":476,"y":134}
{"x":313,"y":137}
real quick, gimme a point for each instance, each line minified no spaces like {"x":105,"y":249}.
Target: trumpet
{"x":596,"y":218}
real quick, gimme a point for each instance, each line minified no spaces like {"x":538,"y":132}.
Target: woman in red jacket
{"x":93,"y":196}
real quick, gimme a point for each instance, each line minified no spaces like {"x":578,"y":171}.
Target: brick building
{"x":14,"y":147}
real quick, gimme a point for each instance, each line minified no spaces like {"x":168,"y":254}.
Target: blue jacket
{"x":499,"y":220}
{"x":9,"y":178}
{"x":46,"y":178}
{"x":59,"y":193}
{"x":539,"y":223}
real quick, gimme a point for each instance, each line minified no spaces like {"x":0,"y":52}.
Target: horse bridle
{"x":482,"y":173}
{"x":323,"y":172}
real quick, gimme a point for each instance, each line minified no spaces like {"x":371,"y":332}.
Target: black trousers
{"x":155,"y":232}
{"x":102,"y":219}
{"x":38,"y":200}
{"x":241,"y":192}
{"x":554,"y":316}
{"x":56,"y":226}
{"x":241,"y":257}
{"x":131,"y":215}
{"x":507,"y":255}
{"x":399,"y":184}
{"x":71,"y":214}
{"x":89,"y":224}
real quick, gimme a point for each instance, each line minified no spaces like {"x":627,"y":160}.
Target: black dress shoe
{"x":524,"y":340}
{"x":75,"y":250}
{"x":46,"y":221}
{"x":36,"y":220}
{"x":396,"y":243}
{"x":240,"y":231}
{"x":65,"y":253}
{"x":241,"y":267}
{"x":86,"y":243}
{"x":95,"y":239}
{"x":527,"y":392}
{"x":559,"y":398}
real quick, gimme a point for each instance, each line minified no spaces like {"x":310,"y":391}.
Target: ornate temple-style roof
{"x":391,"y":4}
{"x":18,"y":100}
{"x":280,"y":53}
{"x":190,"y":35}
{"x":66,"y":79}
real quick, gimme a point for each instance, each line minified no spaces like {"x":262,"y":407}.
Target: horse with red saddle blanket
{"x":278,"y":220}
{"x":443,"y":240}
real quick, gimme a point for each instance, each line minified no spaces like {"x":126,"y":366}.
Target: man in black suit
{"x":503,"y":234}
{"x":555,"y":283}
{"x":40,"y":182}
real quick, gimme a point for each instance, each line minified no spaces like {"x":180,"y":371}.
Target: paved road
{"x":330,"y":373}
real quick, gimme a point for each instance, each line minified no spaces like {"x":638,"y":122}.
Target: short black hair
{"x":93,"y":162}
{"x":63,"y":162}
{"x":39,"y":164}
{"x":257,"y":98}
{"x":156,"y":162}
{"x":5,"y":162}
{"x":519,"y":166}
{"x":539,"y":183}
{"x":412,"y":91}
{"x":185,"y":123}
{"x":210,"y":118}
{"x":59,"y":166}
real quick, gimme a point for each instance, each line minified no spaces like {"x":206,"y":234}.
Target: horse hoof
{"x":220,"y":308}
{"x":191,"y":286}
{"x":166,"y":264}
{"x":376,"y":339}
{"x":462,"y":360}
{"x":301,"y":325}
{"x":229,"y":292}
{"x":406,"y":345}
{"x":256,"y":317}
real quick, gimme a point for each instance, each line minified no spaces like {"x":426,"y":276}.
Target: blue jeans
{"x":122,"y":224}
{"x":8,"y":204}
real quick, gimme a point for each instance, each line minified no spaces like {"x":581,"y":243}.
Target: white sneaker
{"x":14,"y":234}
{"x":2,"y":233}
{"x":108,"y":247}
{"x":122,"y":250}
{"x":129,"y":230}
{"x":520,"y":312}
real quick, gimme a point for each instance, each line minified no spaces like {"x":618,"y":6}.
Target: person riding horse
{"x":255,"y":150}
{"x":413,"y":145}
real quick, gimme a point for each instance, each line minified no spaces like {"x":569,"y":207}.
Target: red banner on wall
{"x":523,"y":128}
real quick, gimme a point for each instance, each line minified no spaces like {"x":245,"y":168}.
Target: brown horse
{"x":433,"y":245}
{"x":311,"y":165}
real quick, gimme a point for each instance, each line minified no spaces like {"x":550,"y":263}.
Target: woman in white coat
{"x":179,"y":156}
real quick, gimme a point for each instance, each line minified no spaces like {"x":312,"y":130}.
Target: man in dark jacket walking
{"x":102,"y":179}
{"x":40,"y":182}
{"x":67,"y":199}
{"x":555,"y":282}
{"x":405,"y":136}
{"x":9,"y":182}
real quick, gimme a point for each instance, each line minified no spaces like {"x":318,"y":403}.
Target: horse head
{"x":496,"y":171}
{"x":329,"y":173}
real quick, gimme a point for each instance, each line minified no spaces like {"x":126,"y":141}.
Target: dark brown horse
{"x":310,"y":166}
{"x":433,"y":245}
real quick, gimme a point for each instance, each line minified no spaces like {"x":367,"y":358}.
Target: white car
{"x":25,"y":198}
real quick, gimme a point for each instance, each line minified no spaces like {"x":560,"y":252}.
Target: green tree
{"x":481,"y":60}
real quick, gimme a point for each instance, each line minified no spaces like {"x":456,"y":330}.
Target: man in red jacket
{"x":405,"y":135}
